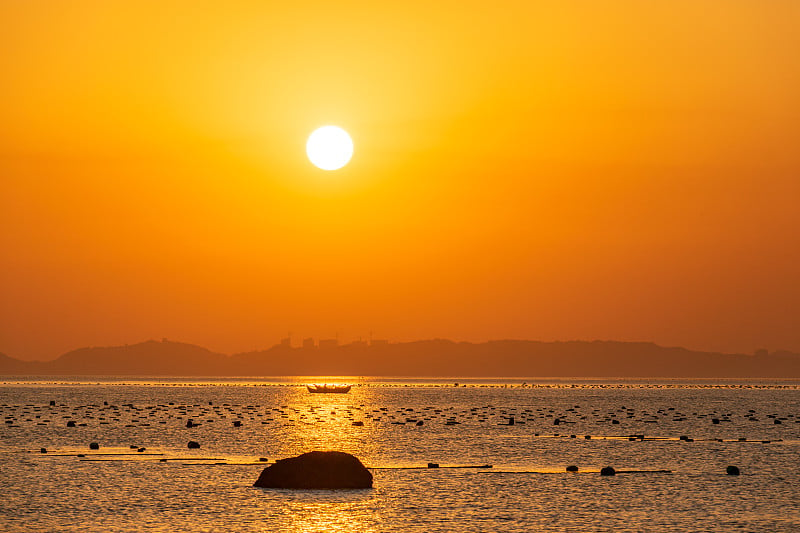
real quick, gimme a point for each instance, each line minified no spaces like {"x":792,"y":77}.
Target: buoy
{"x":608,"y":471}
{"x":94,"y":446}
{"x":732,"y":470}
{"x":43,"y":450}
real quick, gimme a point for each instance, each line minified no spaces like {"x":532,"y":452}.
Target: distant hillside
{"x":435,"y":358}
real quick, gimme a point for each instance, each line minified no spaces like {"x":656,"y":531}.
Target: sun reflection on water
{"x":326,"y":422}
{"x":331,"y":511}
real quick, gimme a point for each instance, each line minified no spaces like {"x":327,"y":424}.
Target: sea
{"x":670,"y":442}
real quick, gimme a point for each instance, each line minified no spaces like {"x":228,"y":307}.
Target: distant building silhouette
{"x":328,"y":343}
{"x":287,"y":342}
{"x":378,"y":342}
{"x":359,"y":342}
{"x":309,"y":343}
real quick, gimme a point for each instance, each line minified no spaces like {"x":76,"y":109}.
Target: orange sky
{"x":539,"y":170}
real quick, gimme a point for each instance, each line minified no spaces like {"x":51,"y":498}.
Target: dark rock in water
{"x":420,"y":422}
{"x":262,"y":459}
{"x":510,"y":420}
{"x":732,"y":470}
{"x":776,"y":421}
{"x":433,"y":465}
{"x":94,"y":446}
{"x":189,"y":423}
{"x":316,"y":470}
{"x":133,"y":446}
{"x":615,"y":421}
{"x":237,"y":423}
{"x":140,"y":450}
{"x":43,"y":450}
{"x":71,"y":424}
{"x":572,"y":468}
{"x":556,"y":422}
{"x":608,"y":471}
{"x":52,"y":402}
{"x":193,"y":445}
{"x":715,"y":420}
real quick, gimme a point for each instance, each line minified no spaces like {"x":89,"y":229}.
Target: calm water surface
{"x":527,"y":489}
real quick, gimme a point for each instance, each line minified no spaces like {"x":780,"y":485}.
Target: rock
{"x":732,"y":470}
{"x":140,"y":450}
{"x":572,"y":468}
{"x":43,"y":450}
{"x":94,"y":446}
{"x":52,"y":402}
{"x":193,"y":445}
{"x":237,"y":423}
{"x":556,"y":422}
{"x":615,"y":421}
{"x":608,"y":471}
{"x":715,"y":420}
{"x":433,"y":465}
{"x":316,"y":470}
{"x":262,"y":459}
{"x":420,"y":422}
{"x":71,"y":424}
{"x":189,"y":423}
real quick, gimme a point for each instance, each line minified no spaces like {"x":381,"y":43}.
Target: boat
{"x":335,"y":389}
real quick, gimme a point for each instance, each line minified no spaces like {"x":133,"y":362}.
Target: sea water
{"x":526,"y":489}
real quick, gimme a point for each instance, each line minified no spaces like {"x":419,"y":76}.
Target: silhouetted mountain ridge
{"x":435,"y":358}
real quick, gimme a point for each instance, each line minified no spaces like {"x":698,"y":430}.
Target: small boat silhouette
{"x":336,"y":389}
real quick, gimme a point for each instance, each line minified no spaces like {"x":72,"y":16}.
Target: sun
{"x":329,"y":147}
